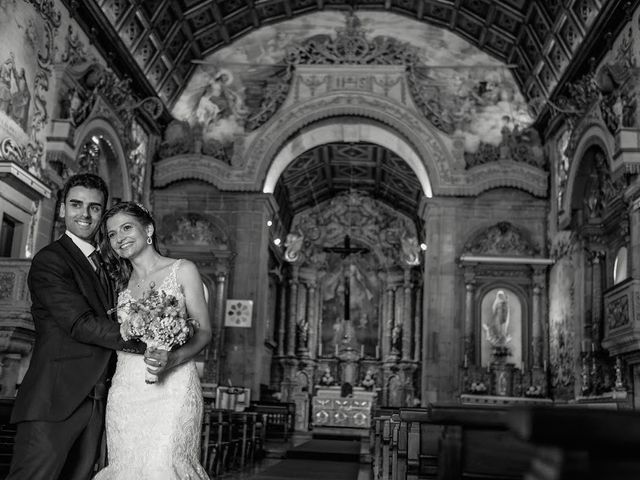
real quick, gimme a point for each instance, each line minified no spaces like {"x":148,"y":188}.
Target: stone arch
{"x":595,"y":135}
{"x":115,"y":168}
{"x":397,"y":127}
{"x":437,"y":160}
{"x":323,"y":133}
{"x":404,"y":133}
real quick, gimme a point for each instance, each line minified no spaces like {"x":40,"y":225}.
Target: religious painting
{"x":562,"y":325}
{"x":22,"y":34}
{"x":501,"y":326}
{"x":474,"y":95}
{"x":357,"y":327}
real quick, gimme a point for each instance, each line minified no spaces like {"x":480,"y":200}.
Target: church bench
{"x":216,"y":445}
{"x":476,"y":443}
{"x":278,"y":418}
{"x":423,"y":440}
{"x":579,"y":442}
{"x":455,"y":442}
{"x":380,"y":446}
{"x":7,"y":435}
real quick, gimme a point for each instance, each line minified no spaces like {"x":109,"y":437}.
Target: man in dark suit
{"x":59,"y":409}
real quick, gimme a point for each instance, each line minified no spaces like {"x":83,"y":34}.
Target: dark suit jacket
{"x":75,"y":337}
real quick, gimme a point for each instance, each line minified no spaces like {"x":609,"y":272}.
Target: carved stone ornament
{"x":362,"y":218}
{"x":195,"y":229}
{"x":563,"y":244}
{"x":617,"y":313}
{"x":10,"y":151}
{"x":501,"y":239}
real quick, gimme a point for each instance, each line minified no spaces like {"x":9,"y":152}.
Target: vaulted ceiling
{"x":159,"y":43}
{"x":163,"y":38}
{"x":325,"y":171}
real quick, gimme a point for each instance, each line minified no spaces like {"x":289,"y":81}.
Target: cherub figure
{"x":293,"y":245}
{"x":410,"y":250}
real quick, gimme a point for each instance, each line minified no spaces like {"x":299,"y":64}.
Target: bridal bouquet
{"x":157,"y":319}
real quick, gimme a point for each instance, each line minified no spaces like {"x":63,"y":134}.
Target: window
{"x":7,"y":233}
{"x":620,"y":266}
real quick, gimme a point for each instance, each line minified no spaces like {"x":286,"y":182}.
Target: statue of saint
{"x":497,"y":329}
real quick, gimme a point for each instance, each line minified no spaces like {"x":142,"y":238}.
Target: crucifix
{"x":344,"y":252}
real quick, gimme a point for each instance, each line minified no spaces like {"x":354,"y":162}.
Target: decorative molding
{"x":501,"y":239}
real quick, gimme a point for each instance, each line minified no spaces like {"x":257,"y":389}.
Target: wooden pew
{"x":380,"y":438}
{"x":278,"y":418}
{"x":580,"y":443}
{"x":476,"y":443}
{"x":424,"y":436}
{"x":7,"y":435}
{"x":216,"y":442}
{"x":454,"y":442}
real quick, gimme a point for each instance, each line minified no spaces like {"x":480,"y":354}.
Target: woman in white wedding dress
{"x":152,"y":430}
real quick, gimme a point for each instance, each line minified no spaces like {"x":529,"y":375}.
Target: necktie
{"x":100,"y":271}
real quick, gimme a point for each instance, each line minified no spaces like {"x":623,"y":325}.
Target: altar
{"x":329,"y":409}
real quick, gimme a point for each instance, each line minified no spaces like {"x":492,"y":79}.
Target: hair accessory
{"x":149,"y":241}
{"x":143,"y":208}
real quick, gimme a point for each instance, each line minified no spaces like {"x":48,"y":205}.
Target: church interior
{"x":417,"y":221}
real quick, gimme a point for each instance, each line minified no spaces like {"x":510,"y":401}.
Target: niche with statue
{"x":503,"y":350}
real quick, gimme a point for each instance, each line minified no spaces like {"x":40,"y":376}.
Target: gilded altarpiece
{"x":353,"y":306}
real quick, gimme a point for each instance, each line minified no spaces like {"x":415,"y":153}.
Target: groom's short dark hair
{"x":87,"y":180}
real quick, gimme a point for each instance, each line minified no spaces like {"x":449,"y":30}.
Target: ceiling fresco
{"x":474,"y":95}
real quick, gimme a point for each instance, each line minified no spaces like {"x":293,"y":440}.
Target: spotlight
{"x":277,"y":242}
{"x":269,"y":223}
{"x":423,"y":247}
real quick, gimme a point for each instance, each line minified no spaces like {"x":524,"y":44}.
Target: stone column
{"x":302,"y":321}
{"x":391,"y":319}
{"x":536,"y":318}
{"x":387,"y":320}
{"x":417,"y":344}
{"x":407,"y":333}
{"x":282,"y":318}
{"x":220,"y":279}
{"x":596,"y":298}
{"x":312,"y":318}
{"x":293,"y":298}
{"x":468,"y":348}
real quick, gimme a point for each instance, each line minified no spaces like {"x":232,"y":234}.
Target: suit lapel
{"x":83,"y":265}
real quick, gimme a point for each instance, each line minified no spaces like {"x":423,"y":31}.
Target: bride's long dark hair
{"x":120,"y":269}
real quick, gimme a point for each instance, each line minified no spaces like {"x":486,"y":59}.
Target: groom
{"x":59,"y":409}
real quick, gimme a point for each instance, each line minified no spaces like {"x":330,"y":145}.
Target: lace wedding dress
{"x":153,"y":430}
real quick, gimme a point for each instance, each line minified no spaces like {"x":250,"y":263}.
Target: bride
{"x":153,"y":430}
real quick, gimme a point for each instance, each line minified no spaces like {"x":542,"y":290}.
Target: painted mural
{"x":562,"y":325}
{"x":473,"y":94}
{"x":364,"y":290}
{"x":22,"y":33}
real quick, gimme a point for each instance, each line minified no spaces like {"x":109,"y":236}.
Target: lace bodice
{"x":169,"y":285}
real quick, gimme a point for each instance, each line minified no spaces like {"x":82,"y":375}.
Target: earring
{"x":149,"y":241}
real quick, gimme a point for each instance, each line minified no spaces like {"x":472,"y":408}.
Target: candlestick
{"x":362,"y":351}
{"x":336,"y":351}
{"x":320,"y":350}
{"x":377,"y":351}
{"x":465,"y":361}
